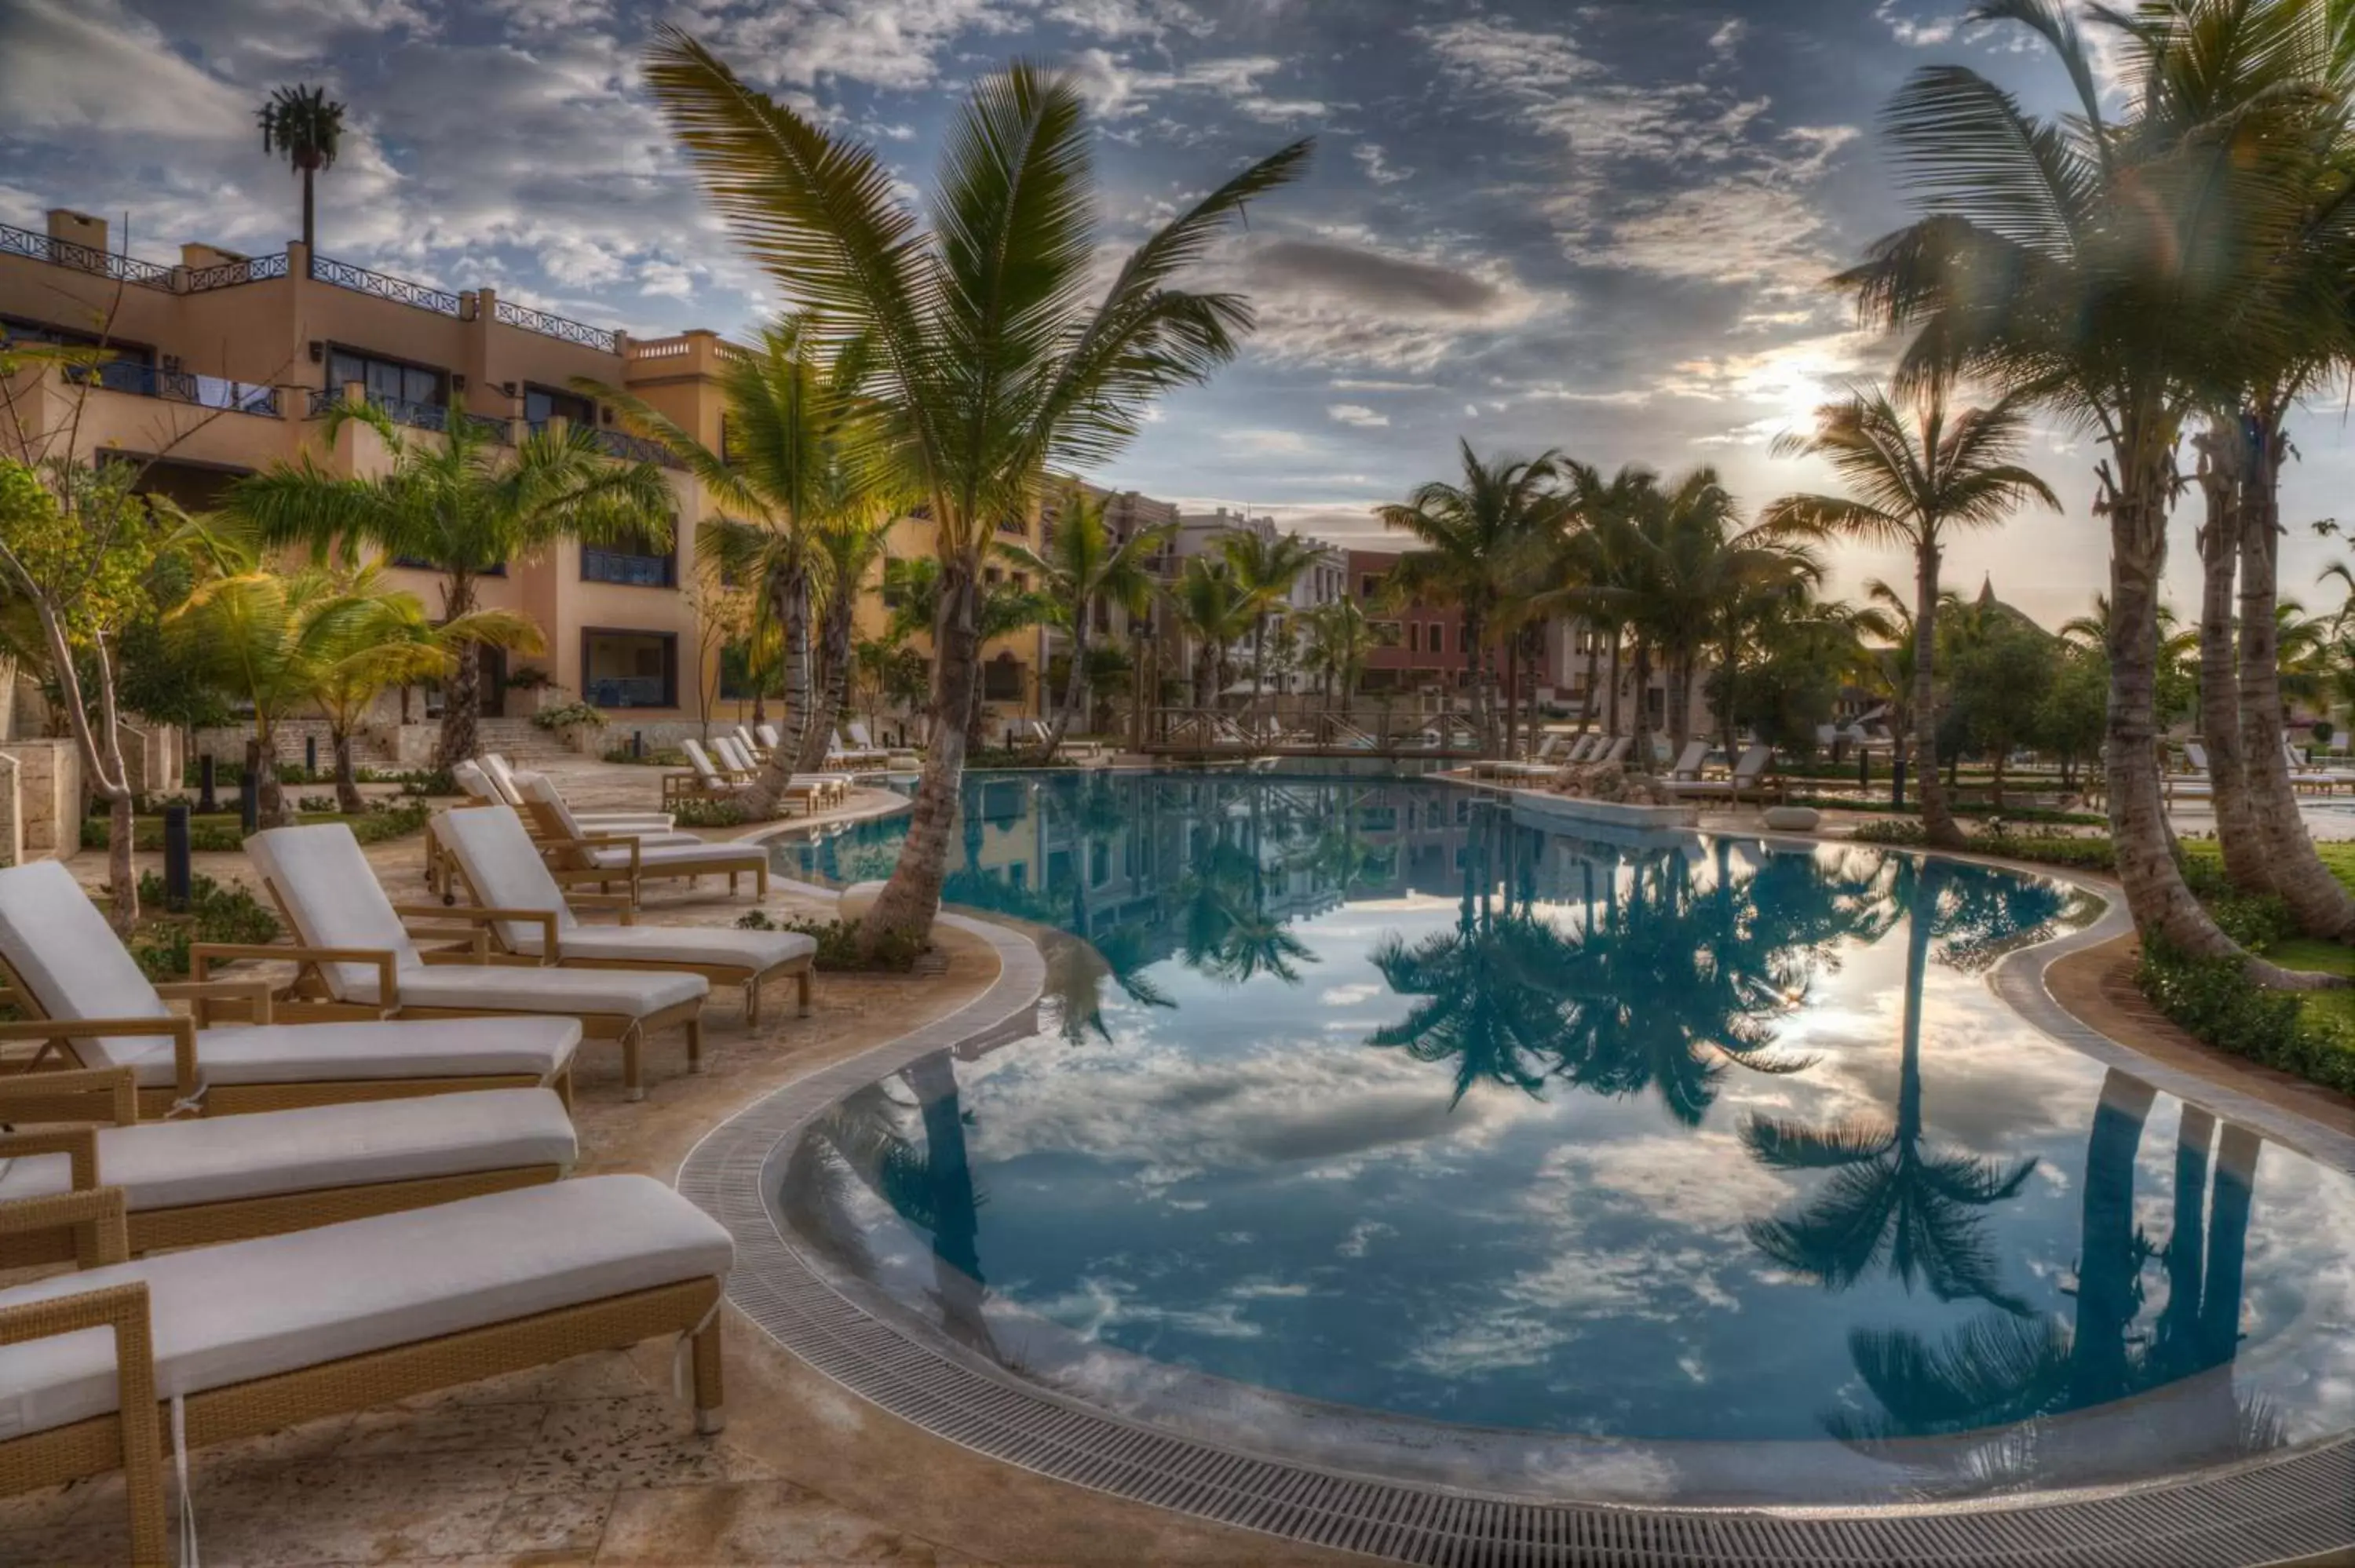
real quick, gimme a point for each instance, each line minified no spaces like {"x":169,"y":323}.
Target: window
{"x":1464,"y":640}
{"x":1001,"y":680}
{"x":541,"y":403}
{"x":991,"y":575}
{"x":1367,"y":585}
{"x":388,"y":380}
{"x":636,"y":561}
{"x":1414,"y":636}
{"x":630,"y":669}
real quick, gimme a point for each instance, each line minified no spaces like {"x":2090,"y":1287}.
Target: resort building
{"x":225,"y":364}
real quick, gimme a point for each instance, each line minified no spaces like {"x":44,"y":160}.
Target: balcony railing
{"x":382,"y":286}
{"x":229,"y":274}
{"x":83,"y":259}
{"x":602,"y":339}
{"x":635,"y":449}
{"x":177,"y":386}
{"x":417,"y":415}
{"x":627,"y":691}
{"x":630,"y":569}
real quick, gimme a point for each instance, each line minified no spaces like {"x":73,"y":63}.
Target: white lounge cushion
{"x":681,"y":945}
{"x":358,"y":1052}
{"x":626,"y":993}
{"x":220,"y":1159}
{"x":539,"y":787}
{"x":331,"y":891}
{"x":720,"y":857}
{"x":504,"y":868}
{"x":224,"y":1315}
{"x":72,"y":962}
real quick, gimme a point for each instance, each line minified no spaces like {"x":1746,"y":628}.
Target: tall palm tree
{"x":307,"y":126}
{"x":1475,"y":536}
{"x":1913,"y":482}
{"x":999,"y":609}
{"x":989,"y":348}
{"x":1266,"y":566}
{"x":847,"y":545}
{"x":1082,"y":569}
{"x":1215,"y":611}
{"x":457,"y":505}
{"x":783,"y":487}
{"x":1339,"y":637}
{"x":2104,"y":269}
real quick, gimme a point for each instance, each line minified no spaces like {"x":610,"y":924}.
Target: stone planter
{"x":1793,"y":818}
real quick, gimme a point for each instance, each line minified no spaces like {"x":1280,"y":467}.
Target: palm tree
{"x":1474,"y":537}
{"x":1266,"y":566}
{"x":1000,"y":610}
{"x":1084,"y":568}
{"x":1913,"y":482}
{"x":985,"y":344}
{"x":847,"y":545}
{"x":455,"y":505}
{"x":1213,"y":610}
{"x":307,"y":126}
{"x":1889,"y":1203}
{"x":398,"y":645}
{"x":784,"y":488}
{"x":2103,"y":270}
{"x":1340,"y":637}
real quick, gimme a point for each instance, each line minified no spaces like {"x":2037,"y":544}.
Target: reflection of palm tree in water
{"x":930,"y":1187}
{"x":1226,"y":930}
{"x":1890,"y":1201}
{"x":2004,"y":1378}
{"x":1657,"y":990}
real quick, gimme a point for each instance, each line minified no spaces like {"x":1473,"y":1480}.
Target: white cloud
{"x":1378,"y":167}
{"x":1356,"y":414}
{"x":1913,"y":31}
{"x":77,"y":69}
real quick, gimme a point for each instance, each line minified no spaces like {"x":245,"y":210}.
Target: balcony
{"x":383,"y":286}
{"x":629,"y":568}
{"x":84,"y":258}
{"x":416,"y":414}
{"x":635,"y":449}
{"x":177,"y":386}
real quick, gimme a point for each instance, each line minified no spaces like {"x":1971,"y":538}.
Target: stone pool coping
{"x":2277,"y":1507}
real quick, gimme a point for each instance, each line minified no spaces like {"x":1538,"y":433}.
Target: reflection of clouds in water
{"x":1362,"y":1235}
{"x":1539,"y":1311}
{"x":1672,"y":1180}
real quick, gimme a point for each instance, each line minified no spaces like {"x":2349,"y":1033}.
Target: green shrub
{"x":386,"y":820}
{"x":574,"y":715}
{"x":215,"y":914}
{"x":430,"y":781}
{"x":2072,"y":851}
{"x":656,"y":756}
{"x":839,"y":946}
{"x":700,"y":813}
{"x":2217,"y":1001}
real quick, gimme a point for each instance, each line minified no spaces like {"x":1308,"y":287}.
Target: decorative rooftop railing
{"x":83,"y":258}
{"x":177,"y":386}
{"x":549,"y":325}
{"x":383,"y":286}
{"x":229,"y":274}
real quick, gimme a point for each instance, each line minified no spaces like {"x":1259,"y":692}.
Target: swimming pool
{"x":1375,"y":1126}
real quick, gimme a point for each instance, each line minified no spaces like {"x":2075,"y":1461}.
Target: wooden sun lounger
{"x":519,"y":903}
{"x":517,"y":1279}
{"x":201,"y":1181}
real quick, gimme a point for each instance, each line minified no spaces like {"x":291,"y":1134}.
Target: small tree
{"x":1082,"y":568}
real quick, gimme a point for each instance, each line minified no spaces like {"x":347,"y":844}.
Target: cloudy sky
{"x":1599,"y":228}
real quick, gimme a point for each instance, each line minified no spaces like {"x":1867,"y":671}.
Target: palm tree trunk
{"x":1075,"y":688}
{"x":833,"y":701}
{"x":1618,"y":677}
{"x":912,"y":896}
{"x":261,"y":765}
{"x":2105,"y":1272}
{"x":462,"y":705}
{"x":1939,"y":825}
{"x":768,"y":792}
{"x":1476,"y":652}
{"x":310,"y":242}
{"x":349,"y":799}
{"x":2163,"y":907}
{"x":2323,"y":907}
{"x":2219,"y":703}
{"x":1639,"y":755}
{"x":1594,"y":680}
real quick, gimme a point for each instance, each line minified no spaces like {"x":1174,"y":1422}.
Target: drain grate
{"x":2295,"y":1505}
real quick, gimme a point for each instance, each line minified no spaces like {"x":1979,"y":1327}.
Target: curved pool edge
{"x":2276,"y":1507}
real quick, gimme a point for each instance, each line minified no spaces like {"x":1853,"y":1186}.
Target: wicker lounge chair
{"x":501,"y":775}
{"x":200,"y":1181}
{"x":633,"y":861}
{"x":256,"y":1335}
{"x":89,"y":1003}
{"x":527,"y":913}
{"x":812,"y":790}
{"x":373,"y":967}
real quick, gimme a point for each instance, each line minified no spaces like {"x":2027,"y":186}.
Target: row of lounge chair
{"x":2193,"y":784}
{"x":1686,"y":778}
{"x":357,"y":1191}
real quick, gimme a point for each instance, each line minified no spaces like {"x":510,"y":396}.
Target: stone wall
{"x":47,"y":799}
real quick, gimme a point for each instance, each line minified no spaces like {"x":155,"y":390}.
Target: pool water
{"x":1363,"y":1097}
